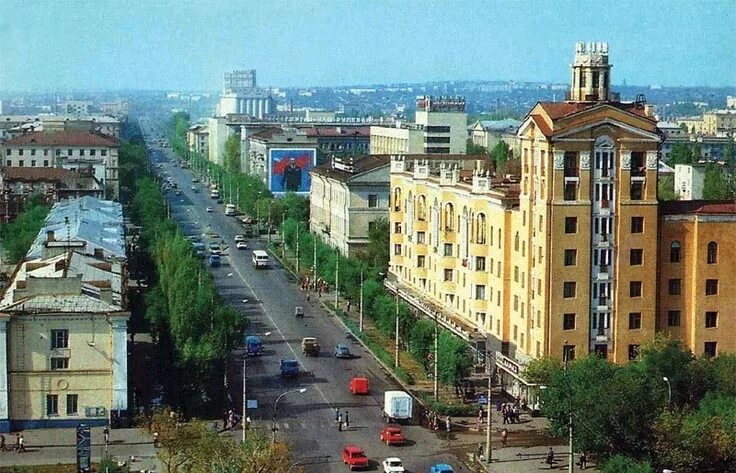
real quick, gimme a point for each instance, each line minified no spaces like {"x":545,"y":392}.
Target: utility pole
{"x":245,"y":402}
{"x":268,"y":229}
{"x":314,"y":262}
{"x":337,"y":275}
{"x":237,"y":195}
{"x":360,"y":324}
{"x":396,"y":342}
{"x":489,"y":419}
{"x":283,"y":236}
{"x":436,"y":352}
{"x":297,"y":249}
{"x":570,"y":454}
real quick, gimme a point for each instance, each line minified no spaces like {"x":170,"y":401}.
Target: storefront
{"x":512,"y":382}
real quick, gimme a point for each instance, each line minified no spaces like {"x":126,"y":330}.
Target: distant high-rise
{"x":239,"y":80}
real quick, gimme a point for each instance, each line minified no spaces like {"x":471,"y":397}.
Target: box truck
{"x":397,"y":406}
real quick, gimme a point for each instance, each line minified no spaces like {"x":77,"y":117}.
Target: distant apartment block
{"x":488,"y":133}
{"x":689,"y":180}
{"x":241,"y":95}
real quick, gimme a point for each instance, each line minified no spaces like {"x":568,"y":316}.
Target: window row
{"x":711,"y":256}
{"x":52,"y":404}
{"x":710,"y":349}
{"x":69,"y":152}
{"x":21,"y":163}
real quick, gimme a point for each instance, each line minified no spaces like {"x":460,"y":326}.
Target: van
{"x":253,"y":345}
{"x":260,"y":259}
{"x":397,"y":406}
{"x":230,"y":210}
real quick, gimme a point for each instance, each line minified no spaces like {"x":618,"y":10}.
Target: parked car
{"x":241,"y":245}
{"x":215,"y":260}
{"x":354,"y":457}
{"x":239,"y":238}
{"x":289,"y":368}
{"x":441,"y":468}
{"x":341,"y":351}
{"x":209,"y":209}
{"x":253,"y":345}
{"x":391,"y":435}
{"x":299,"y":311}
{"x":393,"y":465}
{"x":359,"y":385}
{"x":195,"y":179}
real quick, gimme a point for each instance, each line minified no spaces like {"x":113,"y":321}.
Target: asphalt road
{"x":268,"y":297}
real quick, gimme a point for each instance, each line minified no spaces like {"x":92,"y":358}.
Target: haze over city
{"x":106,"y":45}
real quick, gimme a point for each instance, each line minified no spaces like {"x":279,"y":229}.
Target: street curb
{"x":339,"y":319}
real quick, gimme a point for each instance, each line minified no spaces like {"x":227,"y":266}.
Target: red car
{"x":391,"y":434}
{"x":354,"y":457}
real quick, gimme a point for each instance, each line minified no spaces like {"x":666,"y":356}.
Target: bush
{"x":453,"y":410}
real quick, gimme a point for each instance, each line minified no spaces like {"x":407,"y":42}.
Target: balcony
{"x":603,"y":274}
{"x":638,"y":172}
{"x":602,"y":304}
{"x":601,"y":335}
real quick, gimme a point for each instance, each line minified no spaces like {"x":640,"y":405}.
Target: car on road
{"x":195,"y":189}
{"x":310,"y":346}
{"x":393,"y":465}
{"x":215,"y":248}
{"x":253,"y":345}
{"x":391,"y":435}
{"x":354,"y":457}
{"x":441,"y":468}
{"x":359,"y":385}
{"x":178,"y":192}
{"x":299,"y":311}
{"x":209,"y":209}
{"x":241,"y":245}
{"x":195,"y":179}
{"x":289,"y":368}
{"x":342,"y":351}
{"x":240,"y":238}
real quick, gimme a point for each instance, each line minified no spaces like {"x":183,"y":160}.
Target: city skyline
{"x":188,"y":47}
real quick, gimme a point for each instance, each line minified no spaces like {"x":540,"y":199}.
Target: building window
{"x":568,"y":352}
{"x":58,"y":152}
{"x":59,"y":339}
{"x":675,"y":252}
{"x":103,"y":152}
{"x":397,"y":227}
{"x":8,"y":163}
{"x":447,"y":249}
{"x":711,"y":287}
{"x":33,"y":163}
{"x":637,"y":191}
{"x":633,"y":352}
{"x":421,"y":238}
{"x":449,"y":216}
{"x":58,"y":363}
{"x":33,"y":151}
{"x":635,"y":289}
{"x":711,"y":319}
{"x":568,"y":322}
{"x":636,"y":257}
{"x":569,"y":288}
{"x":72,"y":404}
{"x":710,"y":349}
{"x":448,"y":275}
{"x":421,"y":208}
{"x":673,"y":318}
{"x":372,"y":226}
{"x":634,"y":320}
{"x":571,"y":191}
{"x":20,"y":152}
{"x":420,"y":261}
{"x":46,"y":152}
{"x":397,"y":195}
{"x":69,"y":152}
{"x":480,"y":263}
{"x":480,"y":229}
{"x":397,"y":249}
{"x":675,"y":287}
{"x":81,"y":151}
{"x":7,"y":152}
{"x":372,"y":200}
{"x":571,"y":164}
{"x":92,"y":152}
{"x":712,"y":252}
{"x":571,"y":257}
{"x":21,"y":163}
{"x":637,"y":224}
{"x":52,"y":404}
{"x":571,"y":224}
{"x":480,"y":292}
{"x":45,"y":163}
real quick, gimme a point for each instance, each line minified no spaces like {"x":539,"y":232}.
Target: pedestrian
{"x":2,"y":443}
{"x":106,"y":435}
{"x":155,"y":440}
{"x":308,"y":297}
{"x":21,"y":444}
{"x":479,"y":455}
{"x":550,"y":457}
{"x":224,"y":421}
{"x":339,"y":425}
{"x":16,"y":447}
{"x":339,"y":419}
{"x":348,"y":305}
{"x":347,"y":420}
{"x":504,"y":437}
{"x":448,"y":424}
{"x":337,"y":414}
{"x":583,"y":461}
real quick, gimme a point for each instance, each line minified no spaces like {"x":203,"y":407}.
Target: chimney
{"x":50,"y":236}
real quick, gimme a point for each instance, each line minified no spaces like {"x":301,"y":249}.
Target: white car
{"x":239,"y":238}
{"x":209,"y":209}
{"x":393,"y":465}
{"x":241,"y":245}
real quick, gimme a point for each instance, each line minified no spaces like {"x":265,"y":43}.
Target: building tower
{"x":591,"y":73}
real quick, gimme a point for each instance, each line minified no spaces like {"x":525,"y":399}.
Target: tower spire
{"x":591,"y":73}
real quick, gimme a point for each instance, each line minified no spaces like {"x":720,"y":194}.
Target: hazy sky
{"x":181,"y":44}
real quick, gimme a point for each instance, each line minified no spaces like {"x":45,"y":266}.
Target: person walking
{"x":106,"y":435}
{"x":16,"y":447}
{"x":337,"y":414}
{"x":21,"y":444}
{"x":583,"y":461}
{"x":504,"y":437}
{"x":2,"y":443}
{"x":448,"y":425}
{"x":347,"y":420}
{"x":551,"y":458}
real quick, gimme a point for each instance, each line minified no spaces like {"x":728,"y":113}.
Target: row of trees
{"x":666,"y":409}
{"x":18,"y":235}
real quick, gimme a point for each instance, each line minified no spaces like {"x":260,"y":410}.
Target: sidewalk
{"x":58,"y":447}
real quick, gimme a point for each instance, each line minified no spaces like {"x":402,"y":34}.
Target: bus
{"x":230,"y":209}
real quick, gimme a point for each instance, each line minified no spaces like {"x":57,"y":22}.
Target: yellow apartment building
{"x":564,"y":259}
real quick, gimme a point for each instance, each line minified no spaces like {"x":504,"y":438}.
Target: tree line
{"x":18,"y":236}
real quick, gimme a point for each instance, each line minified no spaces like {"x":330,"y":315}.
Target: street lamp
{"x":245,"y":400}
{"x":275,"y":405}
{"x":669,"y":390}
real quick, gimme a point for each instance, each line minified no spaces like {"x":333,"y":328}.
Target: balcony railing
{"x":638,"y":172}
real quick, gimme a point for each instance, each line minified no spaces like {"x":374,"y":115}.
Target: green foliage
{"x":666,"y":188}
{"x":729,"y":154}
{"x":697,"y":152}
{"x":231,"y":157}
{"x":377,"y":252}
{"x":472,"y":148}
{"x":500,"y":153}
{"x":715,"y":186}
{"x":454,"y":410}
{"x":681,"y":154}
{"x":541,"y":370}
{"x":18,"y":235}
{"x":623,"y":464}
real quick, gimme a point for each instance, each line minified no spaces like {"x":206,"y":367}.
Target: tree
{"x":697,"y":152}
{"x":715,"y":186}
{"x":624,"y":464}
{"x":231,"y":156}
{"x":666,"y":189}
{"x":680,"y":154}
{"x":500,"y":153}
{"x":377,"y":252}
{"x":541,"y":370}
{"x":473,"y":148}
{"x":18,"y":235}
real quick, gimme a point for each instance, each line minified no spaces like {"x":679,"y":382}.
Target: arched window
{"x":449,"y":216}
{"x":397,"y":199}
{"x":480,"y":229}
{"x":712,"y":252}
{"x":675,"y":254}
{"x":491,"y":234}
{"x":421,"y":208}
{"x":516,"y":242}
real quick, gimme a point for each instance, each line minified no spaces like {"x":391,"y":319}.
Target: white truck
{"x":397,"y":406}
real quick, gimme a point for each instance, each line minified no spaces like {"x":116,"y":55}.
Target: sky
{"x":50,"y":45}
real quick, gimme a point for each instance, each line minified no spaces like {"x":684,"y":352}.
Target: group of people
{"x":431,"y":420}
{"x":320,"y":285}
{"x":230,"y":419}
{"x":343,"y":422}
{"x":19,"y":446}
{"x":511,"y":412}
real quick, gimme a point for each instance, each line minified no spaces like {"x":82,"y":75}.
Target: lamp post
{"x":275,"y":405}
{"x":396,"y":342}
{"x":337,"y":276}
{"x":360,"y":324}
{"x":297,"y":249}
{"x":268,"y":228}
{"x":669,"y":391}
{"x":489,"y":459}
{"x":245,"y":401}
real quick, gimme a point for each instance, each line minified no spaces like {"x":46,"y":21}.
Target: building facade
{"x":346,"y":197}
{"x":488,"y":133}
{"x":564,"y":260}
{"x":71,"y":150}
{"x":256,"y":161}
{"x":340,"y":141}
{"x":689,"y":181}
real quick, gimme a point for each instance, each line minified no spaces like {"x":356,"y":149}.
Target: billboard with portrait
{"x":289,"y":169}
